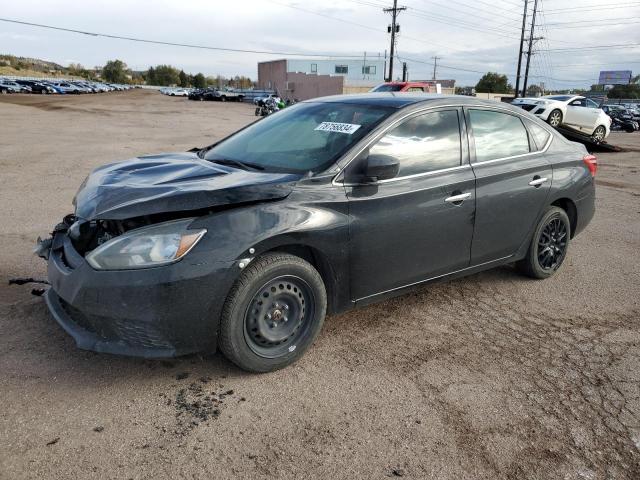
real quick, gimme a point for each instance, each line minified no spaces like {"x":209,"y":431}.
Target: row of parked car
{"x":209,"y":93}
{"x":58,"y":86}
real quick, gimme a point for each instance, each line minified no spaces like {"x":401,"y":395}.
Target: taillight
{"x":591,"y":161}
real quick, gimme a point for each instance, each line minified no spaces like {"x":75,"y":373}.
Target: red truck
{"x":405,"y":87}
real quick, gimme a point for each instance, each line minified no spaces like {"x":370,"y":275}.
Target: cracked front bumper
{"x":156,"y":312}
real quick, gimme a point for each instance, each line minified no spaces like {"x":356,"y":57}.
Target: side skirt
{"x":377,"y":297}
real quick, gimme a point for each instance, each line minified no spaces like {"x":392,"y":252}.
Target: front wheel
{"x":549,"y":245}
{"x":273,"y":313}
{"x":599,"y":134}
{"x":555,"y":118}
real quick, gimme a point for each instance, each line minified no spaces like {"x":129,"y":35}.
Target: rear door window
{"x":498,"y":135}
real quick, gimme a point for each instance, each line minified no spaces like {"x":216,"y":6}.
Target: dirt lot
{"x":493,"y":376}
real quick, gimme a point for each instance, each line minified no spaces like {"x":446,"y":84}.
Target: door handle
{"x":537,"y":181}
{"x":459,"y":198}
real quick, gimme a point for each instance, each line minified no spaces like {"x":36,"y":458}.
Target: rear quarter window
{"x":540,"y":135}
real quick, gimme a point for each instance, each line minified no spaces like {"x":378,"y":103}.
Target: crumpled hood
{"x":170,"y":183}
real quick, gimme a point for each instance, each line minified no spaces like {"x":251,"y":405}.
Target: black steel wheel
{"x":599,"y":134}
{"x":278,"y":316}
{"x":555,"y":118}
{"x":273,"y":313}
{"x":549,"y":245}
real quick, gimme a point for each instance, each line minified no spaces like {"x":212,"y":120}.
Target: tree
{"x":115,"y":71}
{"x":183,"y":79}
{"x":534,"y":91}
{"x":164,"y":75}
{"x":199,"y":81}
{"x":492,"y":82}
{"x":624,"y":91}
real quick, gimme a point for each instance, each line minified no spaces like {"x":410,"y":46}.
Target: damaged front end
{"x":128,"y":272}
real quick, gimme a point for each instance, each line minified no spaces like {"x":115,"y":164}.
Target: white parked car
{"x":572,"y":111}
{"x":179,"y":92}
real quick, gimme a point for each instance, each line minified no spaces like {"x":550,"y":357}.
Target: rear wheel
{"x":549,"y":245}
{"x":599,"y":133}
{"x":555,"y":118}
{"x":273,"y":313}
{"x":223,"y":99}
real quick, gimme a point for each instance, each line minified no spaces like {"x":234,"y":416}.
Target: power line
{"x":607,"y":6}
{"x":174,"y":44}
{"x":595,"y":47}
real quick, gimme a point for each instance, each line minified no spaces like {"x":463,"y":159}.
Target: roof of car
{"x":403,"y":99}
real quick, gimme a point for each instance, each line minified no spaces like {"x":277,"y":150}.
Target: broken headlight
{"x":146,"y":247}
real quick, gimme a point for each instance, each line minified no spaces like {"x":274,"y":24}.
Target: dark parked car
{"x":330,"y":204}
{"x":37,"y":87}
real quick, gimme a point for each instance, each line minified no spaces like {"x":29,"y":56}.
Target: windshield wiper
{"x":238,"y":163}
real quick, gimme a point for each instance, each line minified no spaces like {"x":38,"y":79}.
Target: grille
{"x":110,"y":329}
{"x":140,"y":336}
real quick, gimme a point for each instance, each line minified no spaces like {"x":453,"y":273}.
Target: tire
{"x":223,"y":99}
{"x":4,"y":92}
{"x":552,"y":235}
{"x":275,"y":289}
{"x":43,"y":91}
{"x":599,"y":134}
{"x":555,"y":118}
{"x":257,"y":112}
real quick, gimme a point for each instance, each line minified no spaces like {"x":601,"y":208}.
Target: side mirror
{"x":381,"y":167}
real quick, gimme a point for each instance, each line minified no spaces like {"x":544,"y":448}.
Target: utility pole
{"x":524,"y":25}
{"x":393,"y":29}
{"x":435,"y":65}
{"x":405,"y":72}
{"x":531,"y":40}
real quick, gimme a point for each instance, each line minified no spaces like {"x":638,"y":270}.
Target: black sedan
{"x":332,"y":203}
{"x":37,"y":87}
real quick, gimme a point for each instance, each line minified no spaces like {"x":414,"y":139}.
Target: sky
{"x":470,"y":36}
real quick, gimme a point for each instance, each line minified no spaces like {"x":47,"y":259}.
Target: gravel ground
{"x":493,"y":376}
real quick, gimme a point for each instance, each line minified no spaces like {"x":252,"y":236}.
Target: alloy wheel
{"x":552,"y":244}
{"x":598,"y":134}
{"x":279,"y":316}
{"x":555,"y":118}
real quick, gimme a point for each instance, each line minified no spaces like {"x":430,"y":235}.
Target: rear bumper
{"x":585,"y":209}
{"x":157,"y":312}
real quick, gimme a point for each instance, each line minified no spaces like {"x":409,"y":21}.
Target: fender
{"x":243,"y":233}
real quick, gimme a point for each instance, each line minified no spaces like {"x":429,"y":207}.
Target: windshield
{"x":307,"y":137}
{"x":386,"y":87}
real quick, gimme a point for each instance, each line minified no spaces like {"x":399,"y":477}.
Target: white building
{"x":366,"y":70}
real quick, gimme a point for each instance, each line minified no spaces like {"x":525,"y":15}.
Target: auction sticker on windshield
{"x":348,"y":128}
